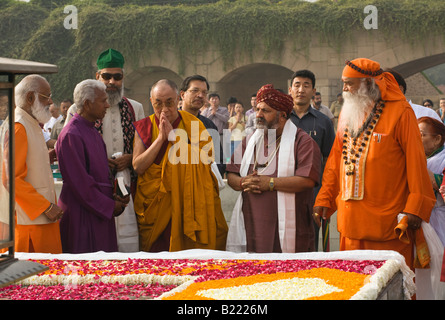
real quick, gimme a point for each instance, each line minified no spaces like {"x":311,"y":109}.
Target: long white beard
{"x":40,"y":111}
{"x":356,"y":107}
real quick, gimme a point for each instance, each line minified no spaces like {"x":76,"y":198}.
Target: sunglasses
{"x":108,"y":76}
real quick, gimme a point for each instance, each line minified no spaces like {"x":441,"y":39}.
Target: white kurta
{"x":112,"y":133}
{"x":436,"y":164}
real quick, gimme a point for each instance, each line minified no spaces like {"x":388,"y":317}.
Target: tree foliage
{"x":234,"y":28}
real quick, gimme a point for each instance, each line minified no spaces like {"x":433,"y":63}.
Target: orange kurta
{"x":395,"y":180}
{"x":31,"y":238}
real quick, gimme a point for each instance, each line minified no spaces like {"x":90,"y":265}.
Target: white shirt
{"x":112,"y":129}
{"x":49,"y":125}
{"x":325,"y":110}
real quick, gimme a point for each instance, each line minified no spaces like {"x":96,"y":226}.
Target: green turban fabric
{"x":110,"y":58}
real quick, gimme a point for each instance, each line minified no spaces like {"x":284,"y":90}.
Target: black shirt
{"x":318,"y":126}
{"x":209,"y":124}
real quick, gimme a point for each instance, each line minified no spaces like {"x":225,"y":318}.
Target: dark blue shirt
{"x":318,"y":126}
{"x":209,"y":124}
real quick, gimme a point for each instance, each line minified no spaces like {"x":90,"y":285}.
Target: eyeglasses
{"x":168,"y":104}
{"x":424,"y":134}
{"x":45,"y":96}
{"x":196,"y":91}
{"x":427,"y":105}
{"x":108,"y":76}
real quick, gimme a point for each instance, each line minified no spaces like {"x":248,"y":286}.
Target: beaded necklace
{"x":269,"y":158}
{"x":354,"y":145}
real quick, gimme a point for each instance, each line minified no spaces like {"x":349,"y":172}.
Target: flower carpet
{"x":203,"y":274}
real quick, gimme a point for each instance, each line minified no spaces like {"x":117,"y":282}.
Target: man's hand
{"x":125,"y":200}
{"x":255,"y":183}
{"x":164,"y":127}
{"x":54,"y":212}
{"x":318,"y":214}
{"x":123,"y":162}
{"x":414,"y":222}
{"x":119,"y":207}
{"x":52,"y":155}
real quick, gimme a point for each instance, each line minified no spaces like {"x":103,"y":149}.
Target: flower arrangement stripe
{"x":175,"y":278}
{"x":349,"y":283}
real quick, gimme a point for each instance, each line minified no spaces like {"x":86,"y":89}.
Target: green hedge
{"x":235,"y":29}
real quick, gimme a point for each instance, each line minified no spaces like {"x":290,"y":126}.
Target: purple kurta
{"x":87,"y":193}
{"x":260,"y":211}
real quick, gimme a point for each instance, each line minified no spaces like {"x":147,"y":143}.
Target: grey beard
{"x":114,"y":97}
{"x":265,"y":124}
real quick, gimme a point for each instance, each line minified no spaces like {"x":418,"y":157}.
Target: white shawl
{"x":236,"y":238}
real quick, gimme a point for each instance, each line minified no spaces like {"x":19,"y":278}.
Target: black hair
{"x":214,"y":95}
{"x":232,"y":100}
{"x":399,"y":78}
{"x":186,"y":83}
{"x":304,"y":74}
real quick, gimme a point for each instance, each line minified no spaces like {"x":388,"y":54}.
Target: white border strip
{"x":379,"y":279}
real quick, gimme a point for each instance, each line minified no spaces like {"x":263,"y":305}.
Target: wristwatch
{"x":271,"y":184}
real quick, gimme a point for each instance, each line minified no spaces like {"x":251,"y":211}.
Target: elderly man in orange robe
{"x":377,"y":168}
{"x":37,"y":214}
{"x":177,"y":196}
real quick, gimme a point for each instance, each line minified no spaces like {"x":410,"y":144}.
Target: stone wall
{"x":419,"y":89}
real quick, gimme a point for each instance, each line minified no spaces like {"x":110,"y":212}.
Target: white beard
{"x":40,"y":111}
{"x":356,"y":107}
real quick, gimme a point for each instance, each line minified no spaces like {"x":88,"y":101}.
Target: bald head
{"x":164,"y":97}
{"x":164,"y":84}
{"x":55,"y":110}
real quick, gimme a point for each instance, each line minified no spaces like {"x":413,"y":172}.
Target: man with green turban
{"x":118,"y":132}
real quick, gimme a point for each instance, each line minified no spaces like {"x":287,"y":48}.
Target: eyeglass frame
{"x":45,"y":96}
{"x":111,"y":75}
{"x":168,"y":104}
{"x":423,"y":134}
{"x":196,"y":91}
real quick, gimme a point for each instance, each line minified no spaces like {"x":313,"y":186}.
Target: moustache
{"x":110,"y":85}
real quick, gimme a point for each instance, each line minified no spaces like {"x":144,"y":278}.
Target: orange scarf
{"x":422,"y":256}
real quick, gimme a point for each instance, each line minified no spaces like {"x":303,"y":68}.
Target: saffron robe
{"x":87,"y":193}
{"x":395,"y":180}
{"x":182,"y":199}
{"x":44,"y":237}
